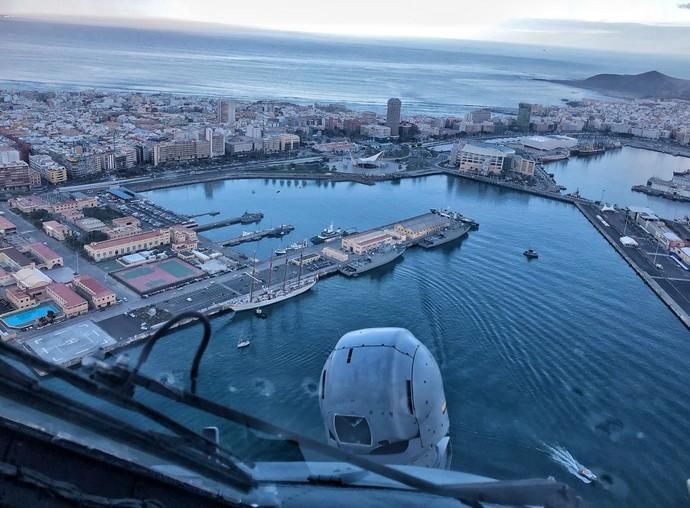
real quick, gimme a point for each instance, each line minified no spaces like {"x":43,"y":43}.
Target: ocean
{"x":431,"y":77}
{"x":571,"y":350}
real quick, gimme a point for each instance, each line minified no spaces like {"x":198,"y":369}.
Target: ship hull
{"x":379,"y":261}
{"x":255,"y":304}
{"x":448,"y":236}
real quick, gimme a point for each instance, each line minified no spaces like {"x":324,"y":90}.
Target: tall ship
{"x":372,"y":260}
{"x":269,"y":296}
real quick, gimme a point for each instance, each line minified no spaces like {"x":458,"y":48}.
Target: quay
{"x":281,"y":230}
{"x":118,"y":327}
{"x":245,"y":218}
{"x":672,"y":285}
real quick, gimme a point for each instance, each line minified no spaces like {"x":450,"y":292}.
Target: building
{"x":482,"y":158}
{"x":240,"y":145}
{"x":127,"y":220}
{"x":523,"y":117}
{"x":288,"y":142}
{"x":6,"y":227}
{"x":56,"y":230}
{"x":181,"y":151}
{"x":108,"y":249}
{"x":479,"y":116}
{"x":183,"y":238}
{"x":364,"y":242}
{"x":90,"y":224}
{"x":50,"y":170}
{"x":15,"y":176}
{"x":420,"y":226}
{"x":393,"y":116}
{"x":8,"y":155}
{"x":32,"y":281}
{"x":547,"y":143}
{"x":69,"y":302}
{"x":523,"y":164}
{"x":46,"y":256}
{"x":28,"y":204}
{"x":6,"y":278}
{"x":99,"y":295}
{"x":225,"y":111}
{"x":19,"y":298}
{"x":15,"y":260}
{"x":375,"y":131}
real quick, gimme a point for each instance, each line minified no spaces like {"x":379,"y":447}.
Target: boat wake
{"x":561,"y":456}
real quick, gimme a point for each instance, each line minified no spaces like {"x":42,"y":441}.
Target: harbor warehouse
{"x":365,"y":242}
{"x":423,"y":225}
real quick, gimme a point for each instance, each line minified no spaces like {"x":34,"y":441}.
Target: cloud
{"x":684,"y":6}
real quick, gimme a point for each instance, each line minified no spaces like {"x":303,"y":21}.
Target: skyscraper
{"x":393,"y":116}
{"x":523,"y":117}
{"x":226,"y":111}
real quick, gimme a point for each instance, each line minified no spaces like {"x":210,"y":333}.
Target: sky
{"x":606,"y":24}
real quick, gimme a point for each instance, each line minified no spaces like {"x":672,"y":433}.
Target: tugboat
{"x":243,"y":343}
{"x":530,"y":254}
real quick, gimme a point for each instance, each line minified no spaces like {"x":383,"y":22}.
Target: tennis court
{"x":158,"y":275}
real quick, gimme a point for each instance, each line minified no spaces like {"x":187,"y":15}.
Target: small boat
{"x":260,"y":313}
{"x":530,"y":254}
{"x":243,"y":343}
{"x":280,"y":252}
{"x":586,"y":475}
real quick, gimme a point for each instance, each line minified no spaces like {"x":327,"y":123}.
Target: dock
{"x":281,"y":230}
{"x":202,"y":214}
{"x":245,"y":218}
{"x":122,"y":326}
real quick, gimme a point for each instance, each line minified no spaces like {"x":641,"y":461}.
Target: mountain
{"x":651,"y":84}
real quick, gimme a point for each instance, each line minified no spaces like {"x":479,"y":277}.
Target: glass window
{"x":352,"y":430}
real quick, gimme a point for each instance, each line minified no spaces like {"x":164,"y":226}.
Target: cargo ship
{"x":371,"y":261}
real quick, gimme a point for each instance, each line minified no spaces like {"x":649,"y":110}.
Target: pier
{"x":258,"y":235}
{"x":210,"y":214}
{"x":245,"y":218}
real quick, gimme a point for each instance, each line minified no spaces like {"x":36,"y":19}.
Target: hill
{"x":652,"y":84}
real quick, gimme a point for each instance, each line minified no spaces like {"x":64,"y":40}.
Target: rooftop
{"x":43,"y":251}
{"x":92,"y":286}
{"x":6,"y":224}
{"x":107,"y":244}
{"x":66,"y":294}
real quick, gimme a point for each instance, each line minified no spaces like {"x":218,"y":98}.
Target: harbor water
{"x":572,"y":349}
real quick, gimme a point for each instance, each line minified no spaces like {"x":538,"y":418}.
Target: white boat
{"x":243,"y":343}
{"x":270,"y":296}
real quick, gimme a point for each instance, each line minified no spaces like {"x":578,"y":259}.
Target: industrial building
{"x":420,"y":226}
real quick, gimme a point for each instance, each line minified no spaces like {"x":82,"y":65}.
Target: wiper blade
{"x":217,"y":460}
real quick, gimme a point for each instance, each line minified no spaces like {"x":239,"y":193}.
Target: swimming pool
{"x":25,"y":317}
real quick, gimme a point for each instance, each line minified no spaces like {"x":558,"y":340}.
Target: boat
{"x":530,"y":254}
{"x":243,"y":343}
{"x":327,"y":234}
{"x":280,"y":252}
{"x":297,"y":246}
{"x":447,"y":235}
{"x":259,"y":312}
{"x":371,"y":261}
{"x":586,"y":475}
{"x":270,"y":296}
